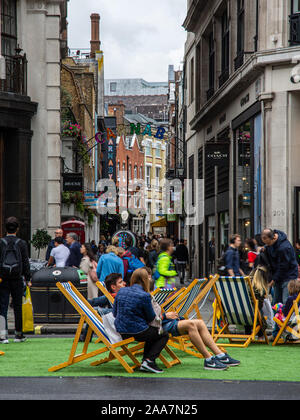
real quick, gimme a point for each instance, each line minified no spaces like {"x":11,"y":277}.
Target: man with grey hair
{"x":75,"y":254}
{"x":284,"y":267}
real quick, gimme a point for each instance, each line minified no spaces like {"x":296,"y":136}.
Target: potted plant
{"x":40,"y":240}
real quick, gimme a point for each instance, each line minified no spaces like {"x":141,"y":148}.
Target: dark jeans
{"x":154,"y":342}
{"x":15,"y":288}
{"x":181,"y":267}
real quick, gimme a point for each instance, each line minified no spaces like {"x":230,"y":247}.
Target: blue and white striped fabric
{"x":96,"y":321}
{"x":163,"y":295}
{"x":236,"y":300}
{"x":194,"y":292}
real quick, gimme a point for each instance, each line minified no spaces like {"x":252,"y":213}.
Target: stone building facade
{"x":34,"y":115}
{"x":242,"y":108}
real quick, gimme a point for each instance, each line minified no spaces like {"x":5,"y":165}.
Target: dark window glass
{"x":211,"y":61}
{"x":8,"y":27}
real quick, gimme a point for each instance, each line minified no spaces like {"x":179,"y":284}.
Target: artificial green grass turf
{"x":259,"y":362}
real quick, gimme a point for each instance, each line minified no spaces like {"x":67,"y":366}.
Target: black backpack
{"x":221,"y":266}
{"x":11,"y":266}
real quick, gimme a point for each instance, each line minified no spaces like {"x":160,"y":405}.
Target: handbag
{"x":93,"y":272}
{"x":27,"y":312}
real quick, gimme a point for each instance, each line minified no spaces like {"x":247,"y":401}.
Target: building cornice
{"x":240,"y":80}
{"x":193,"y":14}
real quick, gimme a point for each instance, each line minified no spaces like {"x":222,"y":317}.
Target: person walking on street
{"x":58,"y":234}
{"x":182,"y":257}
{"x":109,"y":263}
{"x":14,"y":264}
{"x":88,"y":265}
{"x":282,"y":259}
{"x":232,"y":257}
{"x":164,"y":265}
{"x":153,"y":253}
{"x":59,"y":254}
{"x":75,"y":254}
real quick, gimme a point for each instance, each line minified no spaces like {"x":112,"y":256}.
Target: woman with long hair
{"x":153,"y":253}
{"x":134,"y":312}
{"x":88,"y":265}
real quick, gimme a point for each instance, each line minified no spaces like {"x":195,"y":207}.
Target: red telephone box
{"x":75,"y":226}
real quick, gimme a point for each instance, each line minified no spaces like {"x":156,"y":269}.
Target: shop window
{"x":244,"y":181}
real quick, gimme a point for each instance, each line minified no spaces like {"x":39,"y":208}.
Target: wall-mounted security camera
{"x":295,"y":73}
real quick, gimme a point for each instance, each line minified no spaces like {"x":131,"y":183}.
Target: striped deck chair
{"x":238,"y":306}
{"x":187,"y":306}
{"x":290,"y":326}
{"x":117,"y":351}
{"x":162,"y":296}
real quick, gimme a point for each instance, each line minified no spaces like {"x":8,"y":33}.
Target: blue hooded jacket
{"x":282,"y":259}
{"x":133,"y":310}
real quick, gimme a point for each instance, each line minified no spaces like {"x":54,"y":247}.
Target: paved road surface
{"x":151,"y":389}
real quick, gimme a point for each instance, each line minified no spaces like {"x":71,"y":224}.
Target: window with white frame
{"x":157,"y":176}
{"x":158,"y":150}
{"x":148,"y":176}
{"x":148,"y":149}
{"x":124,"y":171}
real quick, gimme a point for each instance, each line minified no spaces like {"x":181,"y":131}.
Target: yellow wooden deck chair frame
{"x":92,"y":318}
{"x":2,"y":353}
{"x":284,"y":327}
{"x":139,"y":348}
{"x":238,"y":305}
{"x":187,"y":303}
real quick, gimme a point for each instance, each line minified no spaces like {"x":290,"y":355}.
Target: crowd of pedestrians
{"x":130,"y":273}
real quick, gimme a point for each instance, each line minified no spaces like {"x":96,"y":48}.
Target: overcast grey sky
{"x":140,"y":38}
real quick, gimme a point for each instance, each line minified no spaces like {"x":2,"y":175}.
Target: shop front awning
{"x":160,"y":223}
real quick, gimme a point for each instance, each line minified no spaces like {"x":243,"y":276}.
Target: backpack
{"x":221,"y":267}
{"x":11,"y":266}
{"x":133,"y":263}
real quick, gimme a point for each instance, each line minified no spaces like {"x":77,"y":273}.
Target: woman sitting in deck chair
{"x":198,"y":334}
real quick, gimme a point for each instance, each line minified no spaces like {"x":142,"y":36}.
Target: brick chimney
{"x":95,"y":32}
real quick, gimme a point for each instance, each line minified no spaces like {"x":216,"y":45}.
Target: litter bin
{"x":49,"y":305}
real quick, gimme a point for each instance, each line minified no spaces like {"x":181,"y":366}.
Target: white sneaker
{"x":4,"y":341}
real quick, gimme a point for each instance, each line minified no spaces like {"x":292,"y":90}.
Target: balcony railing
{"x":295,"y":29}
{"x":16,"y":75}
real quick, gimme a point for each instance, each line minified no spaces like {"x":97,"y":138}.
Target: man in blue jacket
{"x":75,"y":254}
{"x":284,"y":267}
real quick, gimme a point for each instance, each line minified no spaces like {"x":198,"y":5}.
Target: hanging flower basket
{"x":71,"y":130}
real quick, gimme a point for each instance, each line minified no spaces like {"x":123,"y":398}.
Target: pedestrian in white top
{"x":59,"y":254}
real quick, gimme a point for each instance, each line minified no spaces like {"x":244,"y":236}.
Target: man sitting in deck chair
{"x":113,"y":283}
{"x":199,"y":336}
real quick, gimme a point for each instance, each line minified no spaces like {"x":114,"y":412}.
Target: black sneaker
{"x":229,"y":361}
{"x":149,"y":366}
{"x":20,"y":338}
{"x":214,"y":364}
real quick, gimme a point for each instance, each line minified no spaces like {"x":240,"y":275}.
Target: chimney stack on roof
{"x":95,"y":34}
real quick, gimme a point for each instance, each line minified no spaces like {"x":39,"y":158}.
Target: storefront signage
{"x":72,"y":182}
{"x":217,"y":154}
{"x":245,"y":100}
